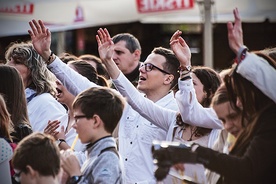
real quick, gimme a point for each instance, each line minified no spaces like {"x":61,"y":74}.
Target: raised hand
{"x":51,"y":128}
{"x":180,"y":49}
{"x":41,"y":38}
{"x":105,"y":44}
{"x":235,"y":34}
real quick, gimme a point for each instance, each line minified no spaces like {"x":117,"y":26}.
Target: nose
{"x":228,"y":125}
{"x":142,"y":69}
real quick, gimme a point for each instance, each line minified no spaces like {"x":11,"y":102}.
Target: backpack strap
{"x":111,"y":148}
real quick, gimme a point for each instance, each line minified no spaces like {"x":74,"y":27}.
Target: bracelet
{"x":185,"y":78}
{"x":59,"y":141}
{"x":241,"y":54}
{"x":50,"y":58}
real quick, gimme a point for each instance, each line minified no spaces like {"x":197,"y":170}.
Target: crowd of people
{"x":69,"y":119}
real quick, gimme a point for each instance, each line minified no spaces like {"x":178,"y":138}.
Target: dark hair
{"x":102,"y":101}
{"x":132,"y":43}
{"x":66,"y":57}
{"x":40,"y":152}
{"x":6,"y":126}
{"x":12,"y":90}
{"x":171,"y":65}
{"x":210,"y":80}
{"x":254,"y":101}
{"x":88,"y":71}
{"x":100,"y":67}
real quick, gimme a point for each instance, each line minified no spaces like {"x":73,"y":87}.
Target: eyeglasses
{"x":79,"y":117}
{"x":149,"y":67}
{"x":16,"y":175}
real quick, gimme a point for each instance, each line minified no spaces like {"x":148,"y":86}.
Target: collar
{"x":134,"y":75}
{"x":92,"y":144}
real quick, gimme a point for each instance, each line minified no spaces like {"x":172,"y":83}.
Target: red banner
{"x":18,"y":8}
{"x":147,"y":6}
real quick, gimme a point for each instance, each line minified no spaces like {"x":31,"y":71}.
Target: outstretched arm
{"x":106,"y":50}
{"x":192,"y":112}
{"x":253,"y":68}
{"x":235,"y":34}
{"x":41,"y":38}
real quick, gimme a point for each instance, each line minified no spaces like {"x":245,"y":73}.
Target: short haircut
{"x":40,"y":152}
{"x":132,"y":43}
{"x":171,"y":65}
{"x":104,"y":102}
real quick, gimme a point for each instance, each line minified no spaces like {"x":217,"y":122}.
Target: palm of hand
{"x":183,"y":53}
{"x":41,"y":42}
{"x":106,"y":50}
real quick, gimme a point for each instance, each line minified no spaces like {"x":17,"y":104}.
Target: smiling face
{"x":230,"y":118}
{"x":150,"y":82}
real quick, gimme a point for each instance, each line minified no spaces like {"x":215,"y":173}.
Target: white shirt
{"x":134,"y":142}
{"x":42,"y":108}
{"x":162,"y":117}
{"x":260,"y":73}
{"x":166,"y":118}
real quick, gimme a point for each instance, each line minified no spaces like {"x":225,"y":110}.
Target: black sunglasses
{"x":149,"y":67}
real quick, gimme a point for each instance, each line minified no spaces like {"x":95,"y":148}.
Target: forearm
{"x":112,"y":68}
{"x":192,"y":112}
{"x":72,"y":80}
{"x":260,"y":73}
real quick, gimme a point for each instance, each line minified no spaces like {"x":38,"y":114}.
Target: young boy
{"x":97,"y":112}
{"x":36,"y":160}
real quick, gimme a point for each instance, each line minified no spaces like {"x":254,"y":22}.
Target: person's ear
{"x":33,"y":173}
{"x":169,"y":79}
{"x":97,"y":121}
{"x":137,"y":54}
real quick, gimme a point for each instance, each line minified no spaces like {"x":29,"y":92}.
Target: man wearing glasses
{"x":157,"y":78}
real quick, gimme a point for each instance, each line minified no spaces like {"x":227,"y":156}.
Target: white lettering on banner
{"x":146,"y":6}
{"x":17,"y":8}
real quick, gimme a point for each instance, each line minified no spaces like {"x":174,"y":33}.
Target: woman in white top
{"x":39,"y":85}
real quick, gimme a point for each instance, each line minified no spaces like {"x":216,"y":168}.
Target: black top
{"x":257,"y":163}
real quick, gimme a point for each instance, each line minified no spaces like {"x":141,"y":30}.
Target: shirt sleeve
{"x":154,"y":113}
{"x":72,"y":80}
{"x":260,"y":73}
{"x":192,"y":112}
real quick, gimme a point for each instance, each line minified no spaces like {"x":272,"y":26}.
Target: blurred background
{"x":74,"y":24}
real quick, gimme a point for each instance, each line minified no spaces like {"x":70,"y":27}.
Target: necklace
{"x":193,"y":132}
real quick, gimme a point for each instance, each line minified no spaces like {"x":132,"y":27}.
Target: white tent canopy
{"x":60,"y":15}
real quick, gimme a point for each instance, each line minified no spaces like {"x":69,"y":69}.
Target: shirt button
{"x":137,"y":126}
{"x":126,"y":159}
{"x":130,"y":142}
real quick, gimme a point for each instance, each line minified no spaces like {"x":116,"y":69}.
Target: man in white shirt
{"x":158,"y":76}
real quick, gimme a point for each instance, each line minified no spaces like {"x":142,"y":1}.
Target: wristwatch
{"x":183,"y":70}
{"x":75,"y":179}
{"x":58,"y":141}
